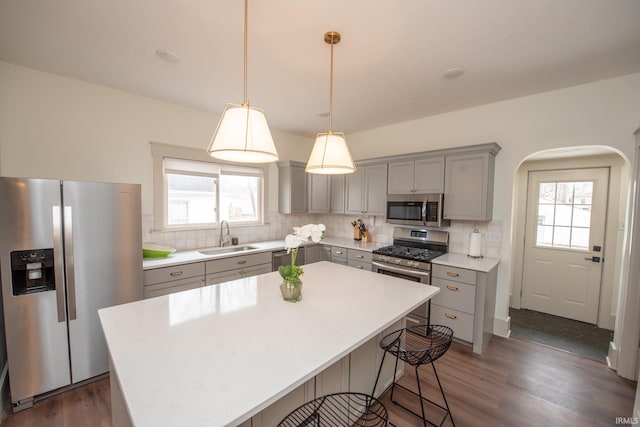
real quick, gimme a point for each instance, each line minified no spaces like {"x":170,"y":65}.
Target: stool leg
{"x":424,"y":417}
{"x":395,"y":371}
{"x":443,"y":396}
{"x":375,"y":385}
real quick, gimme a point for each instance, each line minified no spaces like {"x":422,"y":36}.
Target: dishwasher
{"x":283,"y":258}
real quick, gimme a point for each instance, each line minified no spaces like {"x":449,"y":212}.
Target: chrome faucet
{"x":223,"y":240}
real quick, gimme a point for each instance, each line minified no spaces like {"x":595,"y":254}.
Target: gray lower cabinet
{"x":167,"y":280}
{"x":465,"y":303}
{"x":317,"y":253}
{"x":339,"y":255}
{"x":359,"y":259}
{"x":237,"y":267}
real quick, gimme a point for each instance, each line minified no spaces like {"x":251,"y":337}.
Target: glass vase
{"x":291,"y":290}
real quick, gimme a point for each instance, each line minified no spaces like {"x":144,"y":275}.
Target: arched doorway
{"x":558,"y":162}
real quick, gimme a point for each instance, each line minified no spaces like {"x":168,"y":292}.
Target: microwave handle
{"x":424,"y":212}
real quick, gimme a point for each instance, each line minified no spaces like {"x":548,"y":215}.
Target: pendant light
{"x":330,"y":154}
{"x":242,"y":134}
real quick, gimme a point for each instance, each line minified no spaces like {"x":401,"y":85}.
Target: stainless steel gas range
{"x":410,"y":258}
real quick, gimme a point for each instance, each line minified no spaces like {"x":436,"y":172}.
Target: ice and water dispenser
{"x":32,"y":271}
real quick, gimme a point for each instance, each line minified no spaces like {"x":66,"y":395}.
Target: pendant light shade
{"x":243,"y":134}
{"x":330,"y":154}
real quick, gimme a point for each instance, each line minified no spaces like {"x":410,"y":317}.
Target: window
{"x":564,"y":214}
{"x":200,"y":193}
{"x":191,"y":192}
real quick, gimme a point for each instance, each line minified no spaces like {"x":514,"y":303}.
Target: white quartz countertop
{"x":185,"y":257}
{"x":463,"y":261}
{"x":218,"y":355}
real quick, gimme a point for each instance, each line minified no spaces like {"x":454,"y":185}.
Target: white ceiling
{"x":388,"y":66}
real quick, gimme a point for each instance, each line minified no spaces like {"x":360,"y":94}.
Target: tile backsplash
{"x":277,"y":226}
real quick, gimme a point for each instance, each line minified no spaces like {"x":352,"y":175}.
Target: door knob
{"x":593,"y":259}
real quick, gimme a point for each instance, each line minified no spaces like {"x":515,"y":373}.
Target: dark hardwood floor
{"x":86,"y":406}
{"x":514,"y":383}
{"x":521,"y":383}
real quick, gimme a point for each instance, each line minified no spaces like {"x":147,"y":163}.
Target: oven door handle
{"x":401,"y":270}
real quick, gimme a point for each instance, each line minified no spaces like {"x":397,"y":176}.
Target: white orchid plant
{"x":315,"y":232}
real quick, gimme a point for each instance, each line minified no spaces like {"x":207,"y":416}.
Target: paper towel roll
{"x":475,"y":244}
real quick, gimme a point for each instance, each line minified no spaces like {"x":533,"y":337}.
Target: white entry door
{"x":566,"y":214}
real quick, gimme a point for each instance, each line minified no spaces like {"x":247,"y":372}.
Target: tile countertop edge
{"x":452,"y":259}
{"x":192,"y":256}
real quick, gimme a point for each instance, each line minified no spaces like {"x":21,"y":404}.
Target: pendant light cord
{"x":331,"y":92}
{"x":246,"y":24}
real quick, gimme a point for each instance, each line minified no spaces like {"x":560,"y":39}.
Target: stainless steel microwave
{"x":418,"y":209}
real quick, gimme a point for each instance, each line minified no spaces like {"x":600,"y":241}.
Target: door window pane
{"x":562,"y":237}
{"x":545,"y":235}
{"x":564,"y":214}
{"x":580,"y":238}
{"x":547,"y":193}
{"x":582,"y":215}
{"x":546,"y":214}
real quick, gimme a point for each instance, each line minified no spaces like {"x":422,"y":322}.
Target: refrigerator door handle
{"x":68,"y":256}
{"x":58,"y":249}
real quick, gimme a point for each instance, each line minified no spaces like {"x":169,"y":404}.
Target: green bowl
{"x":153,"y":250}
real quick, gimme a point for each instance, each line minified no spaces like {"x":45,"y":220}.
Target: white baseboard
{"x":502,"y":327}
{"x":612,"y":356}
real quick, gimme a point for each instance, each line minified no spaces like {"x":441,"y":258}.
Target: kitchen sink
{"x":226,"y":250}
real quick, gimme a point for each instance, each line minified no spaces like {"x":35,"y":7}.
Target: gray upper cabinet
{"x":319,"y":192}
{"x":422,"y":176}
{"x":366,"y":190}
{"x":337,"y":194}
{"x":292,"y":187}
{"x":468,"y":189}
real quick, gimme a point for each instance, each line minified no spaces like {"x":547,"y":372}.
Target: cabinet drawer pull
{"x":175,"y":273}
{"x":450,"y":274}
{"x":338,"y":252}
{"x":450,"y":316}
{"x":244,"y":261}
{"x":359,"y":256}
{"x":360,"y":267}
{"x":452,"y":288}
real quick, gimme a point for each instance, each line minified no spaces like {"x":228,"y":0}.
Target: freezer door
{"x":35,"y":326}
{"x":103,"y":246}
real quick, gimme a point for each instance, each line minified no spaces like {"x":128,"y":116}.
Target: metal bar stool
{"x":418,"y":345}
{"x":339,"y":409}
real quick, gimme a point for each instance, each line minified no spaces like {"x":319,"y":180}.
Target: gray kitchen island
{"x":236,"y":352}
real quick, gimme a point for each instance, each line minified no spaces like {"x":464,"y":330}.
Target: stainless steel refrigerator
{"x":67,"y":249}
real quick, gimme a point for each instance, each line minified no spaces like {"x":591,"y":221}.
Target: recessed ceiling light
{"x":452,"y":73}
{"x":166,"y":55}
